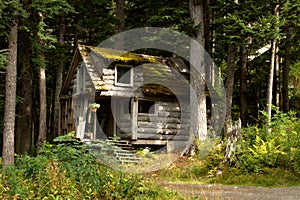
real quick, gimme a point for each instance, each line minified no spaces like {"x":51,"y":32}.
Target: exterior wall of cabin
{"x":109,"y":87}
{"x":167,"y":121}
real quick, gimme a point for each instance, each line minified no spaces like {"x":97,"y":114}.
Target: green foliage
{"x":280,"y":148}
{"x":92,"y":22}
{"x":168,"y":14}
{"x":260,"y":159}
{"x":103,"y":150}
{"x":294,"y":84}
{"x":7,"y":13}
{"x":51,"y":7}
{"x":68,"y":171}
{"x":295,"y":78}
{"x":3,"y":62}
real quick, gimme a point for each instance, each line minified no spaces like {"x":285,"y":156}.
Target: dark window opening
{"x":146,"y":106}
{"x":123,"y":75}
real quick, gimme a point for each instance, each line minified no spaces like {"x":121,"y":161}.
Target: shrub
{"x":67,"y":171}
{"x":279,"y":148}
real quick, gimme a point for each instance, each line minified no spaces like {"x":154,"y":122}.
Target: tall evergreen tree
{"x":59,"y":78}
{"x":10,"y":94}
{"x":289,"y":13}
{"x":197,"y":78}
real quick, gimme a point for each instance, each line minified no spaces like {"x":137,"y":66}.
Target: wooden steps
{"x":122,"y":151}
{"x":126,"y":153}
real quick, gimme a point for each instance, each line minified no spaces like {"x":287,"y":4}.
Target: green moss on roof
{"x":122,"y":55}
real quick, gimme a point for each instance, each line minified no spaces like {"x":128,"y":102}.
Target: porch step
{"x":125,"y":154}
{"x":122,"y":144}
{"x":123,"y":151}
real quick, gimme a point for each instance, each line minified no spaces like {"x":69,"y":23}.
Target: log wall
{"x":168,"y":122}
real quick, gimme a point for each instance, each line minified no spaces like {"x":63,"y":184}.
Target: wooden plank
{"x":162,"y":131}
{"x":108,"y":71}
{"x":134,"y":122}
{"x":114,"y":110}
{"x":109,"y":82}
{"x":142,"y":136}
{"x":118,"y":93}
{"x":108,"y":77}
{"x":143,"y":124}
{"x":123,"y":125}
{"x":125,"y":118}
{"x":149,"y":142}
{"x":169,"y":108}
{"x":125,"y":130}
{"x":173,"y":114}
{"x":166,"y":120}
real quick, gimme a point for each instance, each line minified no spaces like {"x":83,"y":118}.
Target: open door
{"x":106,"y":119}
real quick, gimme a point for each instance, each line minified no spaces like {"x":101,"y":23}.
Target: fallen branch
{"x":4,"y":50}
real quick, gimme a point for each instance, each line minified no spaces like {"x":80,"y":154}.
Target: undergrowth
{"x":67,"y":171}
{"x":260,"y":158}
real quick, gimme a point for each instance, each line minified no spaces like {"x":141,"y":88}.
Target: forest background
{"x":254,"y":44}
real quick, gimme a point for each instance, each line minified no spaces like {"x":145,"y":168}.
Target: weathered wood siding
{"x":108,"y":88}
{"x":168,"y":122}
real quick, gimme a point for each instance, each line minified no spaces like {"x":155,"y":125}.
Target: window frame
{"x":131,"y":75}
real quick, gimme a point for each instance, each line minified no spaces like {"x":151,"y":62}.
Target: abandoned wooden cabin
{"x":139,"y":98}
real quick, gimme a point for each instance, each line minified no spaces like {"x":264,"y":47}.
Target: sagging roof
{"x":97,"y":59}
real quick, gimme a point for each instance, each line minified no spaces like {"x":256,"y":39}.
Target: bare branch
{"x":4,"y":50}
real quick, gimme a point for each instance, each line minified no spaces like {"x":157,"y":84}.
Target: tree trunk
{"x":197,"y":79}
{"x":42,"y":92}
{"x":276,"y":80}
{"x":243,"y":90}
{"x":286,"y":71}
{"x":270,"y":83}
{"x":229,"y":88}
{"x":120,"y":15}
{"x":43,"y":113}
{"x":271,"y":77}
{"x":24,"y":110}
{"x":10,"y":98}
{"x":60,"y":68}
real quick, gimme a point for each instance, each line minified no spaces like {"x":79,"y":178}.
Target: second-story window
{"x":123,"y":75}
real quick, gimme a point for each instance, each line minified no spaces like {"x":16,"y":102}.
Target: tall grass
{"x":68,"y":171}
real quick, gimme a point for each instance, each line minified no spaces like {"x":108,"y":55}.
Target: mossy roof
{"x":153,"y":69}
{"x":163,"y":80}
{"x":119,"y":55}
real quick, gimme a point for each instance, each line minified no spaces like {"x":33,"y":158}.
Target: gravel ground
{"x":212,"y":192}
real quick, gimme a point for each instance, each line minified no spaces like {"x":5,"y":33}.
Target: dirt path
{"x":212,"y":192}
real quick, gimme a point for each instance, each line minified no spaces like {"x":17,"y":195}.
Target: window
{"x":123,"y":75}
{"x":146,"y":106}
